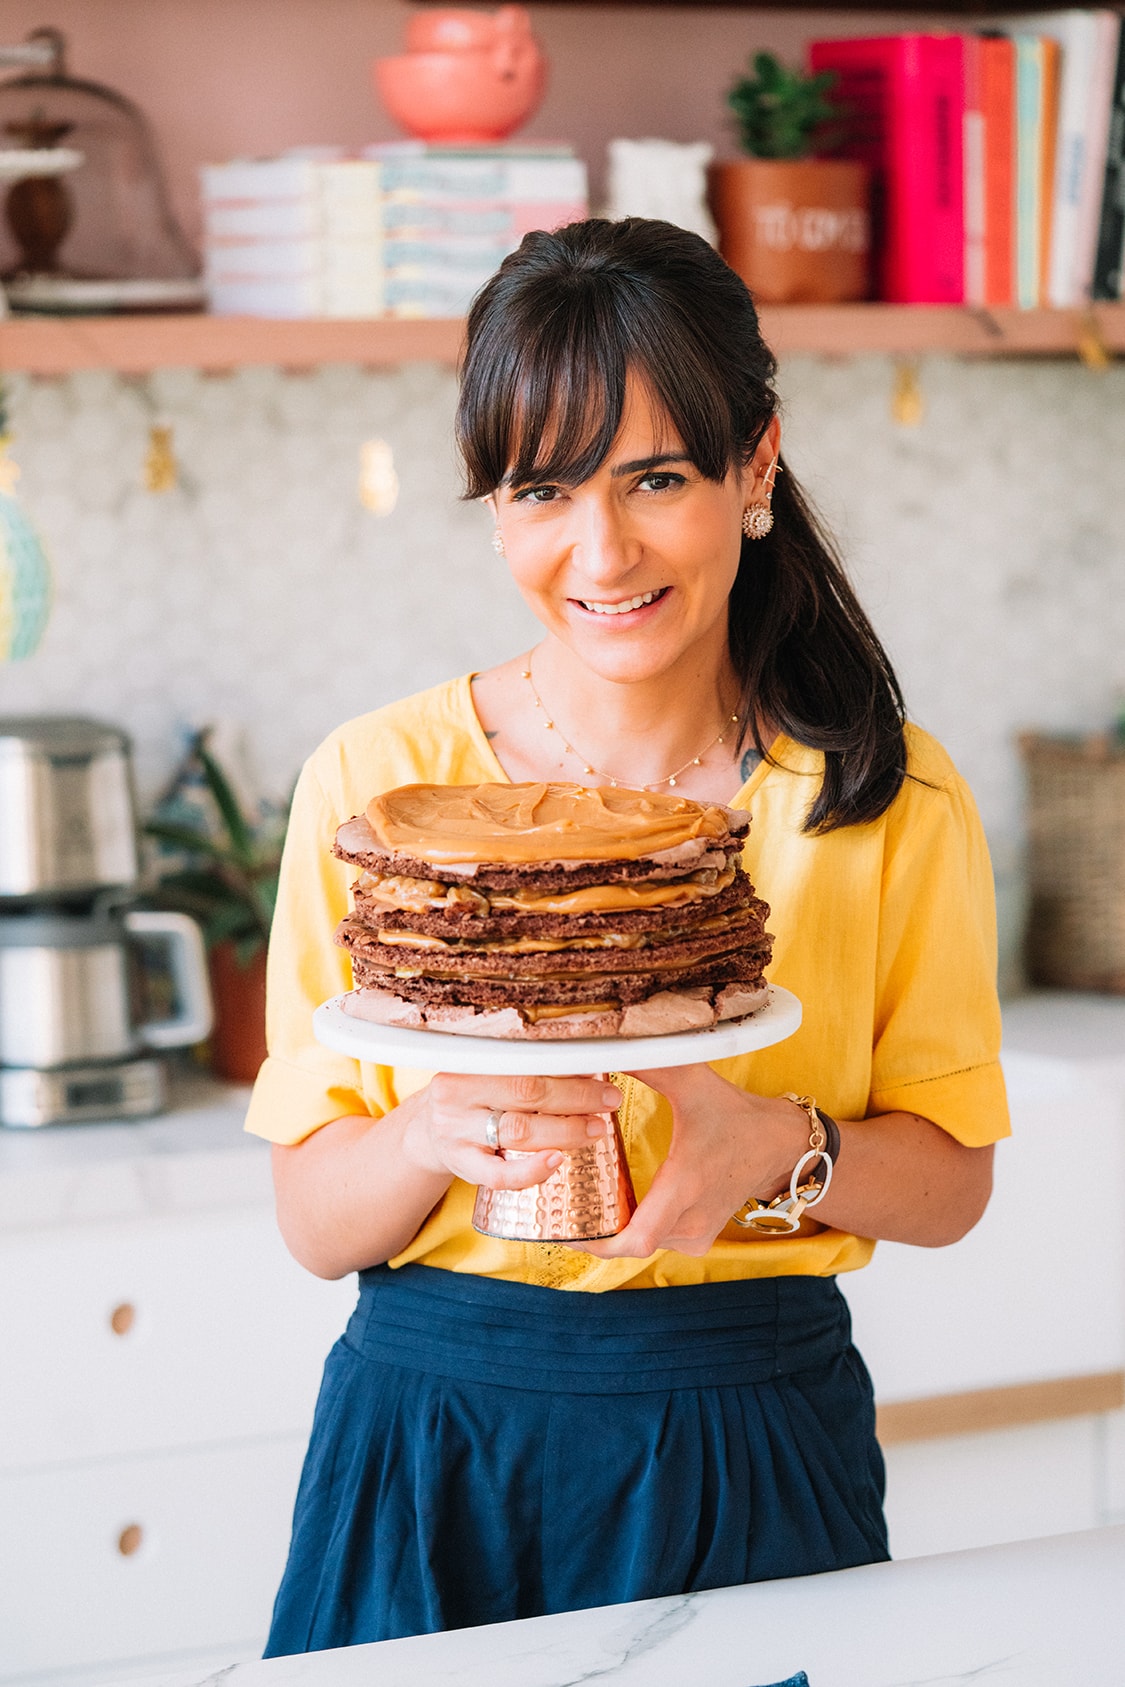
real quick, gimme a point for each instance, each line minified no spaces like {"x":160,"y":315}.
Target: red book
{"x":974,"y":172}
{"x":902,"y":98}
{"x":998,"y":108}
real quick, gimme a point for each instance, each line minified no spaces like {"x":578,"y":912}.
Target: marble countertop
{"x":1042,"y":1613}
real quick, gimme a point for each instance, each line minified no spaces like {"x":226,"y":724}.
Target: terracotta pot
{"x":798,"y":231}
{"x":238,"y":1040}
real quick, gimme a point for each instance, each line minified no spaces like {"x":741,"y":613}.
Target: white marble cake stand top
{"x":445,"y":1051}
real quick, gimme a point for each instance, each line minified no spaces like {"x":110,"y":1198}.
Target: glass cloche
{"x":87,"y":224}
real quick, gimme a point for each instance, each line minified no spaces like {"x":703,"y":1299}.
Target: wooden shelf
{"x":955,"y":330}
{"x":135,"y":345}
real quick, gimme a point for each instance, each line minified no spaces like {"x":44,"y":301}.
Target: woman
{"x":506,"y":1428}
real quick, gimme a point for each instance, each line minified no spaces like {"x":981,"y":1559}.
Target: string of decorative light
{"x":588,"y":767}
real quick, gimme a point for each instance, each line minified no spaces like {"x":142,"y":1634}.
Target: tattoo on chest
{"x":749,"y":762}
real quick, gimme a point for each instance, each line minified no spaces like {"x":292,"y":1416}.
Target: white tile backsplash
{"x":988,"y":544}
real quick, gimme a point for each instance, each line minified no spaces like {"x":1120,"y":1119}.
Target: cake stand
{"x":589,"y":1196}
{"x":445,"y":1051}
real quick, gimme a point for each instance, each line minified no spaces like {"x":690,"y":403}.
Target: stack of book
{"x":293,"y":236}
{"x":452,"y":214}
{"x":999,"y":158}
{"x":405,"y":229}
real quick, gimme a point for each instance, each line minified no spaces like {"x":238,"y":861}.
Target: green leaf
{"x":229,"y":883}
{"x":187,"y":838}
{"x":781,"y":113}
{"x":238,"y":829}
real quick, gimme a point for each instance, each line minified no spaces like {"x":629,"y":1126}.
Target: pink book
{"x":903,"y":105}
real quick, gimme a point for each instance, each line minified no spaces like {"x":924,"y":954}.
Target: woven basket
{"x":1076,"y":862}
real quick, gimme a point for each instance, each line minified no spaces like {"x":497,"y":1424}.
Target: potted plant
{"x":225,"y":876}
{"x":793,"y":223}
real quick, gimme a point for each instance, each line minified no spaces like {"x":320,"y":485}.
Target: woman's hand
{"x":900,"y":1177}
{"x":726,"y":1144}
{"x":357,"y":1191}
{"x":539,"y":1118}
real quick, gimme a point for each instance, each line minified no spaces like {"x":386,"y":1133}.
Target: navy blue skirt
{"x":485,"y":1450}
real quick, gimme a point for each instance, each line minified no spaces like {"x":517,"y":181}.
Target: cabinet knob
{"x":130,"y":1539}
{"x":122,"y":1318}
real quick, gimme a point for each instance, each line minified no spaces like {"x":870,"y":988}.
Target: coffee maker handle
{"x":187,"y":961}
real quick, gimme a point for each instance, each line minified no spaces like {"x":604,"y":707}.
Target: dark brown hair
{"x":552,"y":338}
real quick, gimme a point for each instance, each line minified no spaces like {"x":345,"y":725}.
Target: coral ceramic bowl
{"x":459,"y":96}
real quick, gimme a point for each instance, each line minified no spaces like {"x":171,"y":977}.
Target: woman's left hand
{"x":726,"y":1145}
{"x":904,"y":1179}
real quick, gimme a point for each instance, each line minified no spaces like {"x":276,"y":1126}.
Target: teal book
{"x":1029,"y":207}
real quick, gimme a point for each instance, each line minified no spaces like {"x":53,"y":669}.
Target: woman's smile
{"x":622,"y":609}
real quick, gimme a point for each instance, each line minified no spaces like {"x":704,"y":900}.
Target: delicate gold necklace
{"x":588,"y":767}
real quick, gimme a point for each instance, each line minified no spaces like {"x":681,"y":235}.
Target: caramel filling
{"x":574,"y":1011}
{"x":439,"y":974}
{"x":420,"y":896}
{"x":538,"y":822}
{"x":556,"y":945}
{"x":515,"y":945}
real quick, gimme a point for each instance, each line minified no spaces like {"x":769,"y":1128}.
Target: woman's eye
{"x":661,"y":482}
{"x":536,"y":495}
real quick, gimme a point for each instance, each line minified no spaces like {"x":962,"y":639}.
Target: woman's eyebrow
{"x":644,"y":464}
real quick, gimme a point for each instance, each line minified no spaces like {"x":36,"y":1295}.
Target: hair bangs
{"x":569,"y":400}
{"x":683,"y":387}
{"x":544,"y":403}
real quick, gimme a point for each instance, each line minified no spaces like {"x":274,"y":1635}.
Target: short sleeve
{"x":937,"y":1014}
{"x":303,"y":1085}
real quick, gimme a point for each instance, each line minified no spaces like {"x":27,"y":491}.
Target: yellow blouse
{"x":886,"y":932}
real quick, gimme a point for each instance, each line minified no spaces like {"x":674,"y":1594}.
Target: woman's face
{"x":632,"y":569}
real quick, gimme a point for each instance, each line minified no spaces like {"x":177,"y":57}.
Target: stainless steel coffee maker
{"x":91,"y":987}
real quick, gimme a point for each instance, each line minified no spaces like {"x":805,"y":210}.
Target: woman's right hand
{"x":539,"y":1118}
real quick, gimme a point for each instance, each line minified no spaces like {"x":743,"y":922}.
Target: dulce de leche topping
{"x":537,"y":822}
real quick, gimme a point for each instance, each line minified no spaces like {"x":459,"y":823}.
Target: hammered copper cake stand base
{"x":589,"y":1196}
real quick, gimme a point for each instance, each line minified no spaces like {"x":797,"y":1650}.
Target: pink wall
{"x":220,"y":77}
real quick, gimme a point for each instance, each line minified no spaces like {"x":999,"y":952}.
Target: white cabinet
{"x":1034,"y":1295}
{"x":1037,"y":1290}
{"x":131,"y":1337}
{"x":158,"y":1371}
{"x":143,"y":1557}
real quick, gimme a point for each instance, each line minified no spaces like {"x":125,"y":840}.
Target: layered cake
{"x":550,"y":911}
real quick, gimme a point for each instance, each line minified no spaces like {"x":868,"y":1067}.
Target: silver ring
{"x":492,"y":1130}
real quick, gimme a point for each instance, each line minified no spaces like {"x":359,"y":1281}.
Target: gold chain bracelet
{"x":782,"y":1216}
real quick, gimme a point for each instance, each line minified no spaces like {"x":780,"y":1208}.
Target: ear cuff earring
{"x":498,"y":543}
{"x":757,"y":519}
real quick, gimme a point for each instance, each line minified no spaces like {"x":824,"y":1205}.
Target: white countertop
{"x":194,"y":1157}
{"x":1043,"y":1613}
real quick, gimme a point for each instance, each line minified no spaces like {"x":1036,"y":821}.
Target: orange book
{"x":1048,"y":143}
{"x":998,"y":108}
